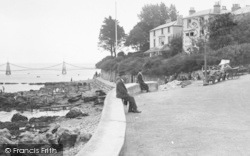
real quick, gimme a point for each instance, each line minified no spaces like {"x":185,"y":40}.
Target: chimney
{"x":224,"y":8}
{"x":235,"y":7}
{"x":217,"y":8}
{"x":179,"y":19}
{"x":191,"y":11}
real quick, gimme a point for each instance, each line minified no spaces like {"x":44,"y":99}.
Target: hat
{"x":121,"y":73}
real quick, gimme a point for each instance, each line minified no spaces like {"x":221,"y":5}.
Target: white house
{"x":195,"y":25}
{"x":161,"y":36}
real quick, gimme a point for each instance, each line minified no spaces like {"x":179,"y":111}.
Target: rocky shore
{"x":67,"y":133}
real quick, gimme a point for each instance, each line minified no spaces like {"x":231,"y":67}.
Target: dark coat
{"x":139,"y":78}
{"x":121,"y":90}
{"x":143,"y":85}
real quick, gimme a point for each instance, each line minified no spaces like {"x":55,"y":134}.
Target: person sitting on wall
{"x":122,"y":93}
{"x":140,"y":80}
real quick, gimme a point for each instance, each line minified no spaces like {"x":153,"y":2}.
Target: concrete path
{"x":192,"y":121}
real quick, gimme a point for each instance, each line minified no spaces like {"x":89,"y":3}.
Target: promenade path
{"x":192,"y":121}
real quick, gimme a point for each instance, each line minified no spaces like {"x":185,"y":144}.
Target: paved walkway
{"x":192,"y":121}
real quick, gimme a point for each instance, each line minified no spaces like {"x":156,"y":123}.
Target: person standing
{"x":122,"y":93}
{"x":140,"y":80}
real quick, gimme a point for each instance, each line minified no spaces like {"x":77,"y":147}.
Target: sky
{"x":53,"y":31}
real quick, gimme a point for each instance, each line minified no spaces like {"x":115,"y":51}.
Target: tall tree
{"x":107,"y":35}
{"x":151,"y":16}
{"x":137,"y":37}
{"x":154,"y":15}
{"x":173,"y":13}
{"x":220,"y":31}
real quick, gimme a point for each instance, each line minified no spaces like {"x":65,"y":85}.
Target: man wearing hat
{"x":122,"y":93}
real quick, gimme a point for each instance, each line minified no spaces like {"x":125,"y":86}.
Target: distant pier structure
{"x":64,"y":71}
{"x":8,"y":71}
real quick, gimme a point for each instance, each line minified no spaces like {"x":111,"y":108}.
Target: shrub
{"x":237,"y":54}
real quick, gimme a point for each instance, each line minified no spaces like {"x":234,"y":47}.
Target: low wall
{"x":109,"y":136}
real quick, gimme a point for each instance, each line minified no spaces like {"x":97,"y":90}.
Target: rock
{"x":46,"y":119}
{"x":18,"y":117}
{"x":52,"y":139}
{"x":21,"y":99}
{"x":89,"y":99}
{"x":9,"y":125}
{"x":83,"y":137}
{"x":75,"y":112}
{"x":67,"y":138}
{"x":54,"y":128}
{"x":27,"y":138}
{"x":100,"y":93}
{"x":5,"y":142}
{"x":5,"y":133}
{"x":41,"y":139}
{"x":75,"y":98}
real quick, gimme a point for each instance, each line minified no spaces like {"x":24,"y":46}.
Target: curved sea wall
{"x":109,"y":137}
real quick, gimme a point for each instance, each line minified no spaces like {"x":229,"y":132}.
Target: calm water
{"x":36,"y":76}
{"x":6,"y":116}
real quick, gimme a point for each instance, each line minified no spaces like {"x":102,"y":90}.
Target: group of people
{"x":122,"y":92}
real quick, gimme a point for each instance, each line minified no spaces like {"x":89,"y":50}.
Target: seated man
{"x":140,"y":80}
{"x":122,"y":93}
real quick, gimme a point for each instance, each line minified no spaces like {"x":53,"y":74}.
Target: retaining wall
{"x":109,"y":136}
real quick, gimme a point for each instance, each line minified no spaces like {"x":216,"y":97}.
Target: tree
{"x":151,"y":16}
{"x":241,"y":33}
{"x":137,"y":37}
{"x":220,"y":31}
{"x":176,"y":45}
{"x":173,"y":13}
{"x":107,"y":35}
{"x":154,"y":15}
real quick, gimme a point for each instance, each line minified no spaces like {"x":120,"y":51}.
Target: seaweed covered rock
{"x":18,"y":117}
{"x":75,"y":112}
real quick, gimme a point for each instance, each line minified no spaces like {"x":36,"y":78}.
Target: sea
{"x":21,"y":75}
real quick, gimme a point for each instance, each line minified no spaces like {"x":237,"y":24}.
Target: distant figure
{"x":3,"y":89}
{"x":140,"y":80}
{"x":122,"y":93}
{"x":71,"y":79}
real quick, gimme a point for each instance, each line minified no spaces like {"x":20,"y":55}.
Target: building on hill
{"x":240,"y":12}
{"x":195,"y":25}
{"x":161,"y":36}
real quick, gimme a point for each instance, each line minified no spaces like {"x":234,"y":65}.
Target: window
{"x":187,"y":34}
{"x":154,"y":42}
{"x":168,"y":29}
{"x":161,"y":30}
{"x":192,"y":34}
{"x":161,"y":40}
{"x":154,"y":32}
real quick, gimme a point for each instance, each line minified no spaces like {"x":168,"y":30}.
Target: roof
{"x":206,"y":12}
{"x":242,"y":11}
{"x":174,"y":23}
{"x":156,"y":49}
